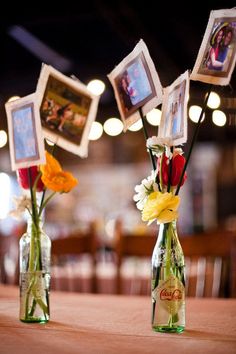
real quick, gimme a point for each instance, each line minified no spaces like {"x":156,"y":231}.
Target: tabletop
{"x":107,"y":324}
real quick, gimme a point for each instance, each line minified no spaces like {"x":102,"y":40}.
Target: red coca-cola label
{"x":170,"y":295}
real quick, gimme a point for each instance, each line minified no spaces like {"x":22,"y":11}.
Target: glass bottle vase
{"x":34,"y":258}
{"x":168,"y":281}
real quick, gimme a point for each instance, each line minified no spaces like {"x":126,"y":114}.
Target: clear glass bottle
{"x":168,"y":281}
{"x":35,"y":258}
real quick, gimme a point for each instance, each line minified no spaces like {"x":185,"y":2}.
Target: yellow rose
{"x":160,"y":206}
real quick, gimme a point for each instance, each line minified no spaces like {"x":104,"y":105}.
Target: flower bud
{"x":178,"y":162}
{"x":23,"y":178}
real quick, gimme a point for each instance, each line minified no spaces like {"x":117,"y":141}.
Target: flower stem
{"x":45,"y":202}
{"x":194,"y":138}
{"x":170,"y":169}
{"x":32,"y":195}
{"x":167,"y":233}
{"x":160,"y":173}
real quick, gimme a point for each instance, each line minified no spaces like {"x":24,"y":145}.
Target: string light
{"x":96,"y":131}
{"x":113,"y":126}
{"x":194,"y":113}
{"x":96,"y":87}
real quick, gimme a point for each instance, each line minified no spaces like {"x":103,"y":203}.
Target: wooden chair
{"x":74,"y":245}
{"x":210,"y":260}
{"x":9,"y":259}
{"x":210,"y":264}
{"x":131,"y":245}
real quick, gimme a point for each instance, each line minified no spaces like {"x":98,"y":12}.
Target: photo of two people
{"x":173,"y":124}
{"x":220,"y":48}
{"x":217,"y":55}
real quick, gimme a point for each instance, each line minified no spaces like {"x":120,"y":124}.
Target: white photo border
{"x":215,"y":77}
{"x":140,"y":51}
{"x":165,"y":134}
{"x":81,"y":148}
{"x":17,"y":105}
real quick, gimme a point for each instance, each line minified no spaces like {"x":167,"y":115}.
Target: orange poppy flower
{"x":54,"y":178}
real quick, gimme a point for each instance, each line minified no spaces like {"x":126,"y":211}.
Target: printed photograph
{"x":136,"y":85}
{"x":173,"y":124}
{"x":67,"y":110}
{"x":25,"y":133}
{"x":217,"y":55}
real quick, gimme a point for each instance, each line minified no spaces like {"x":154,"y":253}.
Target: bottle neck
{"x":167,"y":230}
{"x":31,"y":225}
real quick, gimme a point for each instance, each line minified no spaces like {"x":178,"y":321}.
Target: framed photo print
{"x":216,"y":58}
{"x":173,"y":126}
{"x":25,"y":134}
{"x":67,"y":110}
{"x":136,"y":85}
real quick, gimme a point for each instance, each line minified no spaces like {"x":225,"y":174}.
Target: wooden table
{"x":107,"y":324}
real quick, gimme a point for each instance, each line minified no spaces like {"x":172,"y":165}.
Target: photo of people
{"x":220,"y":49}
{"x":25,"y":133}
{"x":173,"y":126}
{"x":64,"y":110}
{"x":217,"y":55}
{"x":67,"y":110}
{"x":136,"y":85}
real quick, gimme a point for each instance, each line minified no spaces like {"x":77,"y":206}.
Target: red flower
{"x":178,"y":162}
{"x":23,"y":178}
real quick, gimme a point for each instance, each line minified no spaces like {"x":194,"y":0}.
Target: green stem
{"x":32,"y":249}
{"x":160,"y":172}
{"x":34,"y":303}
{"x":33,"y":197}
{"x":32,"y":282}
{"x":45,"y":202}
{"x":167,"y":232}
{"x":170,"y":169}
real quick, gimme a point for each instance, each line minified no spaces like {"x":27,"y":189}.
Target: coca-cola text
{"x":170,"y":295}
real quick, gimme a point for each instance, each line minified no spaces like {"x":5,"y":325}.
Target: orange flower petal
{"x":52,"y":165}
{"x":61,"y":182}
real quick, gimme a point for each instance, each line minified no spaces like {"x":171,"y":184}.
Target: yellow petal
{"x":167,"y":216}
{"x":160,"y":206}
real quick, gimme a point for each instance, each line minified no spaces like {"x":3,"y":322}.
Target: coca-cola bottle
{"x":168,"y":281}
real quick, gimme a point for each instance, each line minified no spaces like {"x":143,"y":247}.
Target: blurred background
{"x":88,"y":40}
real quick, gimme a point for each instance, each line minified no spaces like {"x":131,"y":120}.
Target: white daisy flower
{"x":147,"y":186}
